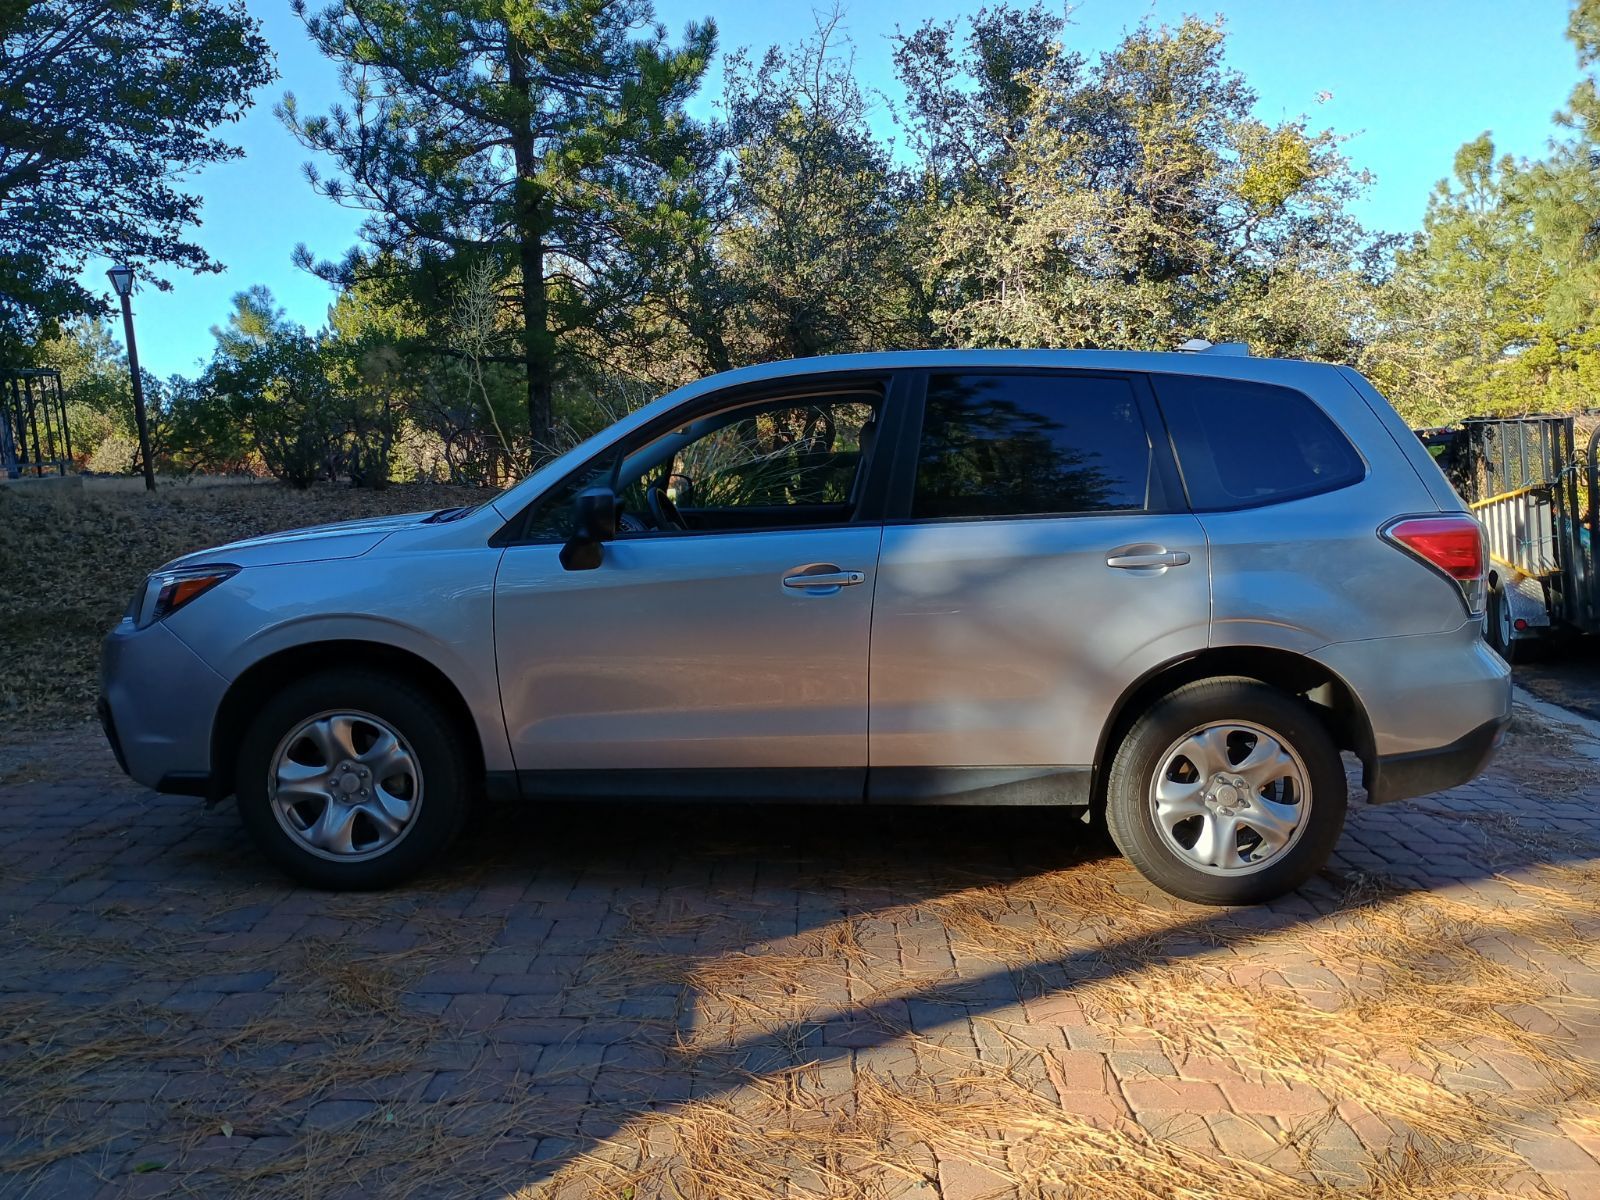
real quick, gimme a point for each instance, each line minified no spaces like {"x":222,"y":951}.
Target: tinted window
{"x":1241,"y":444}
{"x":1009,"y":445}
{"x":737,"y":469}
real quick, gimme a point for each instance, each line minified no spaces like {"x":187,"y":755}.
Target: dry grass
{"x":784,"y":1131}
{"x":788,"y":1131}
{"x":1388,"y":1004}
{"x":70,"y":561}
{"x":1421,"y":992}
{"x":1543,"y":758}
{"x":1424,"y":997}
{"x":339,"y":1028}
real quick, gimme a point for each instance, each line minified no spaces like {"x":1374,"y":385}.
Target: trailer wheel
{"x":1502,"y":636}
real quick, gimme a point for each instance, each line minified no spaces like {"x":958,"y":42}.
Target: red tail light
{"x":1451,"y":545}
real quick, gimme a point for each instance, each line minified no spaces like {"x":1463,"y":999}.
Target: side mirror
{"x":594,"y":522}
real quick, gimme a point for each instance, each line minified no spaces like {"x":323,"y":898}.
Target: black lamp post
{"x":122,"y":280}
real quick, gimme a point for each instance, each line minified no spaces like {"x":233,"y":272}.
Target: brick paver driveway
{"x":630,"y":1003}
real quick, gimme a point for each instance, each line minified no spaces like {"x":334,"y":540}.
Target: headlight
{"x":165,"y":592}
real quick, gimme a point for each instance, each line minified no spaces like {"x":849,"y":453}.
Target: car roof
{"x":1230,"y":366}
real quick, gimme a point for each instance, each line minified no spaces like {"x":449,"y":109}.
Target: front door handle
{"x":1145,"y":557}
{"x":823,"y":579}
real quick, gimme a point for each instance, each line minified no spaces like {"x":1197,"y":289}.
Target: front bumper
{"x":1401,"y":776}
{"x":158,"y":701}
{"x":102,"y":708}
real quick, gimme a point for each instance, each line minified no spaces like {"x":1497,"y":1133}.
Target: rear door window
{"x":1007,"y":445}
{"x":1241,"y":444}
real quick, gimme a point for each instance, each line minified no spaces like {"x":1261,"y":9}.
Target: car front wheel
{"x":352,"y":780}
{"x":1227,"y":791}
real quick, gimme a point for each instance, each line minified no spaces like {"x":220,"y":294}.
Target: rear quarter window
{"x":1241,"y":444}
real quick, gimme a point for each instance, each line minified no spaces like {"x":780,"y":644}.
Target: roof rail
{"x":1201,"y":346}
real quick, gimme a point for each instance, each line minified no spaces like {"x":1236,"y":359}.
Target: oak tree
{"x":106,"y":107}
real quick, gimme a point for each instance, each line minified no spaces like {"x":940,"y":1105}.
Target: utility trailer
{"x":1535,"y":484}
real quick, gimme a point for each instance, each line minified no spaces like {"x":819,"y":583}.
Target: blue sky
{"x":1412,"y":79}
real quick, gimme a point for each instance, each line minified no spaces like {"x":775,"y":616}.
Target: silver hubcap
{"x":345,"y":785}
{"x":1230,"y":798}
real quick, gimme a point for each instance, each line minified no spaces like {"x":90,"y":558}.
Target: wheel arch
{"x":267,"y":675}
{"x":1336,"y":703}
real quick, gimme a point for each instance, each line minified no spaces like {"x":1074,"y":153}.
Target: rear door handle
{"x":1145,"y":557}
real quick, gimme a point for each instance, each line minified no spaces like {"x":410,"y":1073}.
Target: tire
{"x":1499,"y":633}
{"x":1268,"y":858}
{"x":296,"y":758}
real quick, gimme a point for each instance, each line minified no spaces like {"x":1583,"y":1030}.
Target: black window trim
{"x":1287,"y":497}
{"x":908,"y":449}
{"x":891,"y":383}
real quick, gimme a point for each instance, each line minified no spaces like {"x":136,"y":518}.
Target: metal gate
{"x":33,"y":422}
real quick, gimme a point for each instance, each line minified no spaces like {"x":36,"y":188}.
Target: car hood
{"x":341,"y":539}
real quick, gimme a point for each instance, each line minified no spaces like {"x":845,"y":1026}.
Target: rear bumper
{"x":1436,"y":705}
{"x":1401,"y":776}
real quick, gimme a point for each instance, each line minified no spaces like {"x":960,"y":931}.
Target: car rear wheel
{"x":1227,"y":791}
{"x":352,"y":780}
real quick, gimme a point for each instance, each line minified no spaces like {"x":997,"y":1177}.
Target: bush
{"x":114,"y":453}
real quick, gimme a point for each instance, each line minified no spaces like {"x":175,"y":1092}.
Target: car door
{"x":728,"y":659}
{"x":1037,"y":562}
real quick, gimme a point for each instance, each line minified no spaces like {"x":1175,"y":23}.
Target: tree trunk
{"x":716,"y":350}
{"x":530,"y":202}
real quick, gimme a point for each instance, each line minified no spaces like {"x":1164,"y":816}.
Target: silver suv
{"x":1165,"y":588}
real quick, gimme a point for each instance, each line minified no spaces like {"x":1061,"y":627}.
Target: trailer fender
{"x":1526,"y":598}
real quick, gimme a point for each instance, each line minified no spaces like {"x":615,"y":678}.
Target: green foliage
{"x":1275,"y":165}
{"x":94,"y":377}
{"x":370,"y":374}
{"x":1466,"y":294}
{"x":783,"y":233}
{"x":470,"y":401}
{"x":528,"y":136}
{"x":813,"y":248}
{"x":552,"y":240}
{"x":1493,"y":307}
{"x":268,"y":380}
{"x":1126,"y":202}
{"x":105,"y":107}
{"x":198,"y":430}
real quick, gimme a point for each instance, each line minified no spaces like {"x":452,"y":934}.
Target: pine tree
{"x":525,"y":134}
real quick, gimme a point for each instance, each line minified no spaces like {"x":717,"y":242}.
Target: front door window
{"x":761,"y":466}
{"x":765,"y":465}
